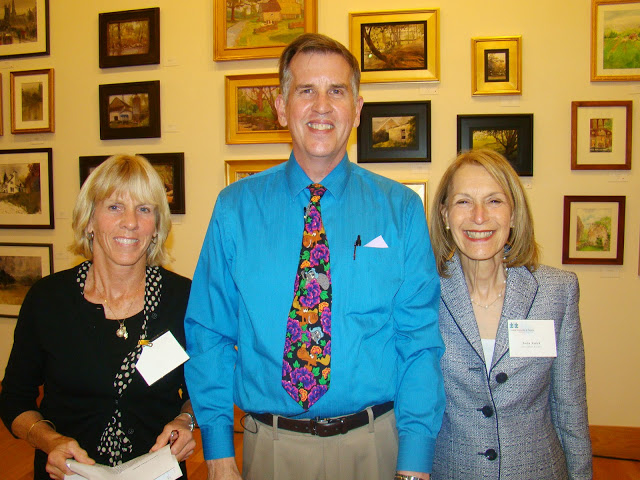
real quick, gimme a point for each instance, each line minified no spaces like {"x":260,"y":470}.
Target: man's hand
{"x":223,"y":469}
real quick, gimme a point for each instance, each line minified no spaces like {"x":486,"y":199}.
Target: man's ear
{"x":281,"y":109}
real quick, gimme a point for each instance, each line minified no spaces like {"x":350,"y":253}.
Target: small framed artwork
{"x":601,"y":135}
{"x":170,"y":167}
{"x":593,"y":230}
{"x":130,"y":37}
{"x":399,"y":46}
{"x":395,"y":132}
{"x":509,"y":135}
{"x":26,"y":188}
{"x":239,"y":169}
{"x":130,"y":110}
{"x":21,"y":265}
{"x":260,"y":29}
{"x":420,"y":187}
{"x":32,"y":105}
{"x":251,"y":110}
{"x":25,"y":29}
{"x":615,"y":50}
{"x":496,"y":66}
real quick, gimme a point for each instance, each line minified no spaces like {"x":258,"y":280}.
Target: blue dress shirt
{"x":385,"y":339}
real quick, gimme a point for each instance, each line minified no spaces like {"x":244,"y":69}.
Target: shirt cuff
{"x":217,"y":442}
{"x":415,"y":453}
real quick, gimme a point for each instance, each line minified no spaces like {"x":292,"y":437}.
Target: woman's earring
{"x":154,"y":239}
{"x":446,"y":227}
{"x":90,"y":235}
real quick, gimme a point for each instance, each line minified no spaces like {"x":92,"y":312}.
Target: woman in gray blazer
{"x":516,"y":402}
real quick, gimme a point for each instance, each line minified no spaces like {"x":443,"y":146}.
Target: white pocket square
{"x":377,"y":242}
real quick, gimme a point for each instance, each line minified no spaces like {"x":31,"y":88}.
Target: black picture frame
{"x":118,"y":118}
{"x":108,"y":43}
{"x":31,"y":190}
{"x":175,"y":160}
{"x":40,"y":44}
{"x":521,"y":159}
{"x":381,"y":125}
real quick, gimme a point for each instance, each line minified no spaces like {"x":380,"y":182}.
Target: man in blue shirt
{"x":385,"y":344}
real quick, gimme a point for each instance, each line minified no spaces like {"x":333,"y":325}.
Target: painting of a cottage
{"x":394,"y":132}
{"x":259,"y":23}
{"x":20,"y":188}
{"x":129,"y":110}
{"x":593,"y":229}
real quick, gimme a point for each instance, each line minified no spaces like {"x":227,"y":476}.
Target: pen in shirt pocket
{"x":357,"y":244}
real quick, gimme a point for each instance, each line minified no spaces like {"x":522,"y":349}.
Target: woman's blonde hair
{"x":522,"y":249}
{"x":123,"y":175}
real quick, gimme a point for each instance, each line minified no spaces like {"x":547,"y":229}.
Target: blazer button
{"x":501,"y":377}
{"x":487,"y":411}
{"x":491,"y":454}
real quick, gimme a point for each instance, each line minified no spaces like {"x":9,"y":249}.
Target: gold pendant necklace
{"x":122,"y":329}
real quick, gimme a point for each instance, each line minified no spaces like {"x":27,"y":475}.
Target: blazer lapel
{"x":455,"y":296}
{"x":521,"y":290}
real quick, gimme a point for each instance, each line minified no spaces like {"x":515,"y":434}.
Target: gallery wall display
{"x":25,"y":29}
{"x":251,"y":115}
{"x":496,"y":65}
{"x":32,"y":101}
{"x":258,"y":29}
{"x":601,"y":135}
{"x":170,"y":167}
{"x":130,"y":37}
{"x":615,"y":50}
{"x":26,"y":184}
{"x":130,"y":110}
{"x":395,"y":132}
{"x":238,"y":169}
{"x":396,"y":46}
{"x":21,"y":265}
{"x":509,"y":135}
{"x":593,"y":230}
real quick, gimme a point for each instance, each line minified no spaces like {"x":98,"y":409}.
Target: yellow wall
{"x":556,"y":38}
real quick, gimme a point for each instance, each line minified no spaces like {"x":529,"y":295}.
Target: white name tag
{"x":532,"y":338}
{"x":160,"y":357}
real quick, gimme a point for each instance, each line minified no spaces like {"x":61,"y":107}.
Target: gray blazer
{"x":527,"y":419}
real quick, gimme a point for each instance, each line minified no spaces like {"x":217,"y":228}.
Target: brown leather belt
{"x":326,"y":427}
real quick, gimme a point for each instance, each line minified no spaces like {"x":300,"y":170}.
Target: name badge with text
{"x":160,"y":357}
{"x":532,"y":338}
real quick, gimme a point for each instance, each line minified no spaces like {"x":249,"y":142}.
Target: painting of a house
{"x":128,"y":110}
{"x":601,"y":134}
{"x":394,"y":132}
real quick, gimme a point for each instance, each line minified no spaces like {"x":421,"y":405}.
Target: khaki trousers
{"x":365,"y":453}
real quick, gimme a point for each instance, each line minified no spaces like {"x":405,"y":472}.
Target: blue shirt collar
{"x":335,"y":182}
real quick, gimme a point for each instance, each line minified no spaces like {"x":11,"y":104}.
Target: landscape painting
{"x":257,"y":109}
{"x":496,"y":68}
{"x":503,"y":141}
{"x":394,"y":132}
{"x":393,"y":46}
{"x":621,"y":48}
{"x":21,"y":265}
{"x":128,"y":38}
{"x":24,"y":28}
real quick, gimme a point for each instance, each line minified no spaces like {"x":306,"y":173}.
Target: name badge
{"x":532,"y":338}
{"x":160,"y":357}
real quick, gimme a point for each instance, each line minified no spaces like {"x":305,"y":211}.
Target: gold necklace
{"x":122,"y":329}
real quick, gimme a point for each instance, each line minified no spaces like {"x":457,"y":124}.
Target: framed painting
{"x":26,"y":188}
{"x":170,"y":167}
{"x":399,"y":46}
{"x":32,"y":104}
{"x":24,"y":31}
{"x":239,"y":169}
{"x":496,"y":66}
{"x":601,"y":135}
{"x":245,"y":29}
{"x":420,"y":187}
{"x":395,"y":132}
{"x":593,"y":230}
{"x":251,"y":115}
{"x":21,"y":265}
{"x":1,"y":109}
{"x":615,"y":50}
{"x":130,"y":110}
{"x":130,"y":37}
{"x":509,"y":135}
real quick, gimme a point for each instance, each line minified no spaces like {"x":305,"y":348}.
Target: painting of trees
{"x":257,"y":109}
{"x":393,"y":46}
{"x":504,"y":141}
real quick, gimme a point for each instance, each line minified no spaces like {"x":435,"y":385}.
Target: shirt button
{"x":487,"y":411}
{"x":502,"y":377}
{"x":491,"y":454}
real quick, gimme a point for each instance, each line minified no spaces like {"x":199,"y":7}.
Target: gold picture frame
{"x":258,"y":27}
{"x":378,"y":58}
{"x":421,"y":188}
{"x":32,"y":101}
{"x":251,"y":116}
{"x":609,"y":63}
{"x":238,"y":169}
{"x":496,"y":65}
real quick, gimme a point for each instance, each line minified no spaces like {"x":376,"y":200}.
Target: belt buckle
{"x":316,"y":426}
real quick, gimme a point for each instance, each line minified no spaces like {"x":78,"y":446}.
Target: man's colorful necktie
{"x":306,"y":369}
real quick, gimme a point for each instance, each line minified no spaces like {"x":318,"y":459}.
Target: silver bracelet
{"x":192,"y":420}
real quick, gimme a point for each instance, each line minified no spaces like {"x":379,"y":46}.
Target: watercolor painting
{"x":257,"y":109}
{"x":621,"y":42}
{"x":393,"y":46}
